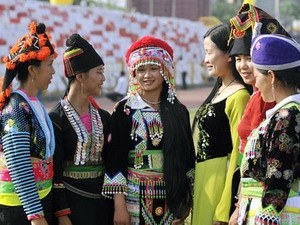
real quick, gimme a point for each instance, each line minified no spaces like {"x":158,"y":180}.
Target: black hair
{"x":177,"y":149}
{"x":70,"y":81}
{"x":23,"y":72}
{"x":289,"y":78}
{"x":219,"y":35}
{"x":122,"y":73}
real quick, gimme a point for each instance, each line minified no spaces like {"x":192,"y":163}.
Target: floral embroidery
{"x":201,"y":115}
{"x":270,"y":156}
{"x":25,"y":106}
{"x":159,"y":211}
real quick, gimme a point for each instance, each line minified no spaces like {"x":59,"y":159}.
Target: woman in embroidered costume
{"x":270,"y":168}
{"x":81,"y":129}
{"x":215,"y":130}
{"x":27,"y":137}
{"x":151,"y":155}
{"x":249,"y":22}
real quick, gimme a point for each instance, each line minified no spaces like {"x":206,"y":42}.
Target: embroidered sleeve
{"x":114,"y":185}
{"x":116,"y":156}
{"x":282,"y":148}
{"x":16,"y":147}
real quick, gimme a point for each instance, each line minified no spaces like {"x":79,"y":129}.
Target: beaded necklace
{"x":149,"y":102}
{"x":89,"y":145}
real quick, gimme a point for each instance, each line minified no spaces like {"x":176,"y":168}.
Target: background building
{"x":186,"y":9}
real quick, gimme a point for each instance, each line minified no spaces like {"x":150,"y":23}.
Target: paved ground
{"x":192,"y":98}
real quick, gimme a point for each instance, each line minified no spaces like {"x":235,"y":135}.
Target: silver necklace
{"x":151,"y":103}
{"x":219,"y":92}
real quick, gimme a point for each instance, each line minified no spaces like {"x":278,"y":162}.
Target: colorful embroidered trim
{"x":146,"y":183}
{"x":142,"y":123}
{"x":114,"y":185}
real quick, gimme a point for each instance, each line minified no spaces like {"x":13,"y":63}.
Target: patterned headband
{"x":152,"y":56}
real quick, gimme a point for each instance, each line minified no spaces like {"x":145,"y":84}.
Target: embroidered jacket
{"x":27,"y":147}
{"x":272,"y":154}
{"x":135,"y":166}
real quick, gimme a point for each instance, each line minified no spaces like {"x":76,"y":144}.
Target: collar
{"x":136,"y":102}
{"x":292,"y":98}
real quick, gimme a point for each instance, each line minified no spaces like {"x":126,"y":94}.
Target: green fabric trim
{"x":152,"y":159}
{"x":146,"y":152}
{"x":84,"y":168}
{"x":253,"y":188}
{"x":7,"y":187}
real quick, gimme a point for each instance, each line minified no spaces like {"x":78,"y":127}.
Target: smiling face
{"x":244,"y":66}
{"x":149,"y":78}
{"x":43,"y":74}
{"x":93,"y":80}
{"x":217,"y":61}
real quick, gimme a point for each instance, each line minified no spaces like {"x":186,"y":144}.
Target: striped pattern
{"x":16,"y":147}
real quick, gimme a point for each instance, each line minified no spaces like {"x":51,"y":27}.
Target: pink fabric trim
{"x":86,"y":120}
{"x":35,"y":216}
{"x":31,"y":98}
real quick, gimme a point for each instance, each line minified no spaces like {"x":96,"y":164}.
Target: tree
{"x":290,"y":9}
{"x":224,"y":10}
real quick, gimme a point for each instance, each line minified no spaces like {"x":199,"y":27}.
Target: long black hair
{"x":179,"y":154}
{"x":219,"y":35}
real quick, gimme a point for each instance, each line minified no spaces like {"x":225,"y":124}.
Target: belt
{"x":82,"y":175}
{"x":82,"y":172}
{"x":81,"y":192}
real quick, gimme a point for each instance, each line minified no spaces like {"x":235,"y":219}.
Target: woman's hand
{"x":39,"y":221}
{"x":121,"y":217}
{"x":234,"y":217}
{"x":64,"y":220}
{"x":121,"y":214}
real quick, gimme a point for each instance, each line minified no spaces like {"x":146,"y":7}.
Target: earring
{"x":273,"y":91}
